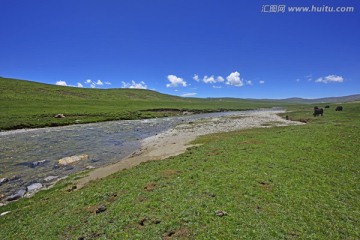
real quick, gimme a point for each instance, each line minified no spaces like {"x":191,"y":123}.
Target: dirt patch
{"x":181,"y":233}
{"x":169,"y":172}
{"x":150,"y":187}
{"x":266,"y":186}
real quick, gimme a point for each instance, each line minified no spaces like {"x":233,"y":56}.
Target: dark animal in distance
{"x":339,"y":108}
{"x":318,"y":111}
{"x":327,"y":106}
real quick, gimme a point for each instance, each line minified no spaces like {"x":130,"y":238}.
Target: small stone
{"x":220,"y":213}
{"x":19,"y":194}
{"x":72,"y":188}
{"x":34,"y":187}
{"x":4,"y":213}
{"x":3,"y":180}
{"x":101,"y":209}
{"x":38,"y":163}
{"x":210,"y":194}
{"x":68,"y":160}
{"x":59,"y":115}
{"x":50,"y":178}
{"x":90,"y":167}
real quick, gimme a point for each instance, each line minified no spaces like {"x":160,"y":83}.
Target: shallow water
{"x":104,"y":143}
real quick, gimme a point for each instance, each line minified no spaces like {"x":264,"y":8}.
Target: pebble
{"x":101,"y":209}
{"x":4,"y":213}
{"x":90,"y":167}
{"x":38,"y":163}
{"x":220,"y":213}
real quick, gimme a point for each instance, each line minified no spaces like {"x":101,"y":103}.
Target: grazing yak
{"x":339,"y":108}
{"x":318,"y":111}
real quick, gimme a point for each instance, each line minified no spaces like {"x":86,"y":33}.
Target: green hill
{"x":26,"y":104}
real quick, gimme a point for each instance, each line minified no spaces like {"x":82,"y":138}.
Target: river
{"x":104,"y":143}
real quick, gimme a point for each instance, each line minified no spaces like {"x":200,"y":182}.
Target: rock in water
{"x":34,"y":187}
{"x":68,"y":160}
{"x":17,"y":195}
{"x":3,"y":180}
{"x":37,"y":163}
{"x":50,"y":178}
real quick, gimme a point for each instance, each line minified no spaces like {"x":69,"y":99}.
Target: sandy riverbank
{"x":175,"y":141}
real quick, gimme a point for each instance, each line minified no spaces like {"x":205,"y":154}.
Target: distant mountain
{"x":350,"y":98}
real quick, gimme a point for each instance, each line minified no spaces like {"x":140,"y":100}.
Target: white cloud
{"x":220,"y":79}
{"x":298,"y":80}
{"x":107,"y":83}
{"x":133,"y":84}
{"x":309,"y":77}
{"x":79,"y":85}
{"x":234,"y":79}
{"x":61,"y":83}
{"x":330,"y":78}
{"x":94,"y":84}
{"x":261,"y":82}
{"x":196,"y":77}
{"x":188,"y":94}
{"x":218,"y":87}
{"x":249,"y":82}
{"x":210,"y":79}
{"x":91,"y":83}
{"x":175,"y":81}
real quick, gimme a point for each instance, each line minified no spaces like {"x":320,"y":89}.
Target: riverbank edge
{"x":177,"y":140}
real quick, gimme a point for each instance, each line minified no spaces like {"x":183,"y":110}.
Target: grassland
{"x":296,"y":182}
{"x":25,"y":104}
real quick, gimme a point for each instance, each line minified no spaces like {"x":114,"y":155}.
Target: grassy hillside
{"x":25,"y":104}
{"x":296,"y":182}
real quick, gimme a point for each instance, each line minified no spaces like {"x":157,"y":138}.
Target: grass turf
{"x":296,"y":182}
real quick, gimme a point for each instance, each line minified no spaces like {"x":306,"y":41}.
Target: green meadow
{"x":294,"y":182}
{"x":25,"y":104}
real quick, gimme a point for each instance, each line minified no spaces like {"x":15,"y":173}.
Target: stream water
{"x":30,"y":156}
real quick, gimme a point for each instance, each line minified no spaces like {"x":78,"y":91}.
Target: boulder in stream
{"x":68,"y":160}
{"x":19,"y":194}
{"x":3,"y":180}
{"x":34,"y":187}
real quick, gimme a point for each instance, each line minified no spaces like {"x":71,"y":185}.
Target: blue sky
{"x":222,"y":48}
